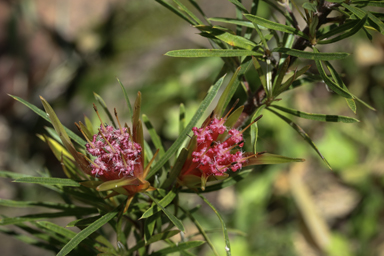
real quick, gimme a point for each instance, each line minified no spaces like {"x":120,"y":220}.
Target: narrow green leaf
{"x":201,"y":230}
{"x":361,"y":13}
{"x":44,"y":115}
{"x":224,"y":227}
{"x":237,"y":177}
{"x":105,"y":108}
{"x":317,"y":117}
{"x":239,"y":22}
{"x":310,"y":6}
{"x":340,"y":29}
{"x":14,"y":203}
{"x":13,"y":175}
{"x":176,"y":169}
{"x":245,"y":64}
{"x":255,"y":128}
{"x":275,"y":26}
{"x":312,"y":55}
{"x":261,"y":73}
{"x":177,"y":248}
{"x":114,"y":184}
{"x":86,"y":232}
{"x":351,"y":32}
{"x":154,"y":238}
{"x":126,"y":98}
{"x":337,"y":79}
{"x":219,"y":109}
{"x":176,"y":11}
{"x":200,"y":111}
{"x":153,"y":134}
{"x":266,"y":158}
{"x":149,"y":226}
{"x":83,"y":222}
{"x":332,"y":85}
{"x":370,"y":3}
{"x":197,"y":53}
{"x":239,"y":5}
{"x":279,"y":79}
{"x":49,"y":181}
{"x":163,"y":202}
{"x":229,"y":38}
{"x":181,"y":118}
{"x":34,"y":217}
{"x":170,"y":216}
{"x":303,"y":134}
{"x":185,"y":9}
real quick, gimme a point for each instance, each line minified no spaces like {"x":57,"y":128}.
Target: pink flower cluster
{"x":116,"y":154}
{"x":215,"y":157}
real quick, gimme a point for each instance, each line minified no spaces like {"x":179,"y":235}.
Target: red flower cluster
{"x":117,"y":155}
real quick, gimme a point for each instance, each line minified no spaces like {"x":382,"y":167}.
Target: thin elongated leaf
{"x":149,"y":226}
{"x":239,"y":176}
{"x":229,"y":38}
{"x":265,"y":158}
{"x":176,"y":11}
{"x":86,"y":232}
{"x":126,"y":97}
{"x":279,"y":79}
{"x":361,"y":13}
{"x":219,"y":109}
{"x":332,"y":85}
{"x":49,"y":181}
{"x":201,"y":231}
{"x":13,"y":175}
{"x":105,"y":108}
{"x":239,"y":5}
{"x":317,"y":117}
{"x":113,"y":184}
{"x":351,"y":32}
{"x":163,"y":202}
{"x":13,"y":203}
{"x":44,"y":115}
{"x":246,"y":63}
{"x":177,"y":248}
{"x":223,"y":226}
{"x":312,"y":55}
{"x":370,"y":3}
{"x":185,"y":9}
{"x":337,"y":79}
{"x":176,"y":169}
{"x":154,"y":238}
{"x":83,"y":222}
{"x":261,"y":73}
{"x":303,"y":134}
{"x":34,"y":217}
{"x":198,"y":53}
{"x":170,"y":216}
{"x":340,"y":29}
{"x":200,"y":111}
{"x":154,"y":137}
{"x":239,"y":22}
{"x":254,"y":128}
{"x":29,"y":240}
{"x":274,"y":25}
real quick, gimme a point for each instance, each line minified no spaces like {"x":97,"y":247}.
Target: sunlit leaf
{"x":312,"y":55}
{"x":49,"y":181}
{"x":170,"y":216}
{"x":105,"y":108}
{"x":44,"y":115}
{"x":177,"y":248}
{"x":86,"y":232}
{"x":275,"y":26}
{"x":223,"y":226}
{"x":317,"y":117}
{"x":303,"y":134}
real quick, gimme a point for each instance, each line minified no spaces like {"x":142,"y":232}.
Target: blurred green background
{"x":66,"y":50}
